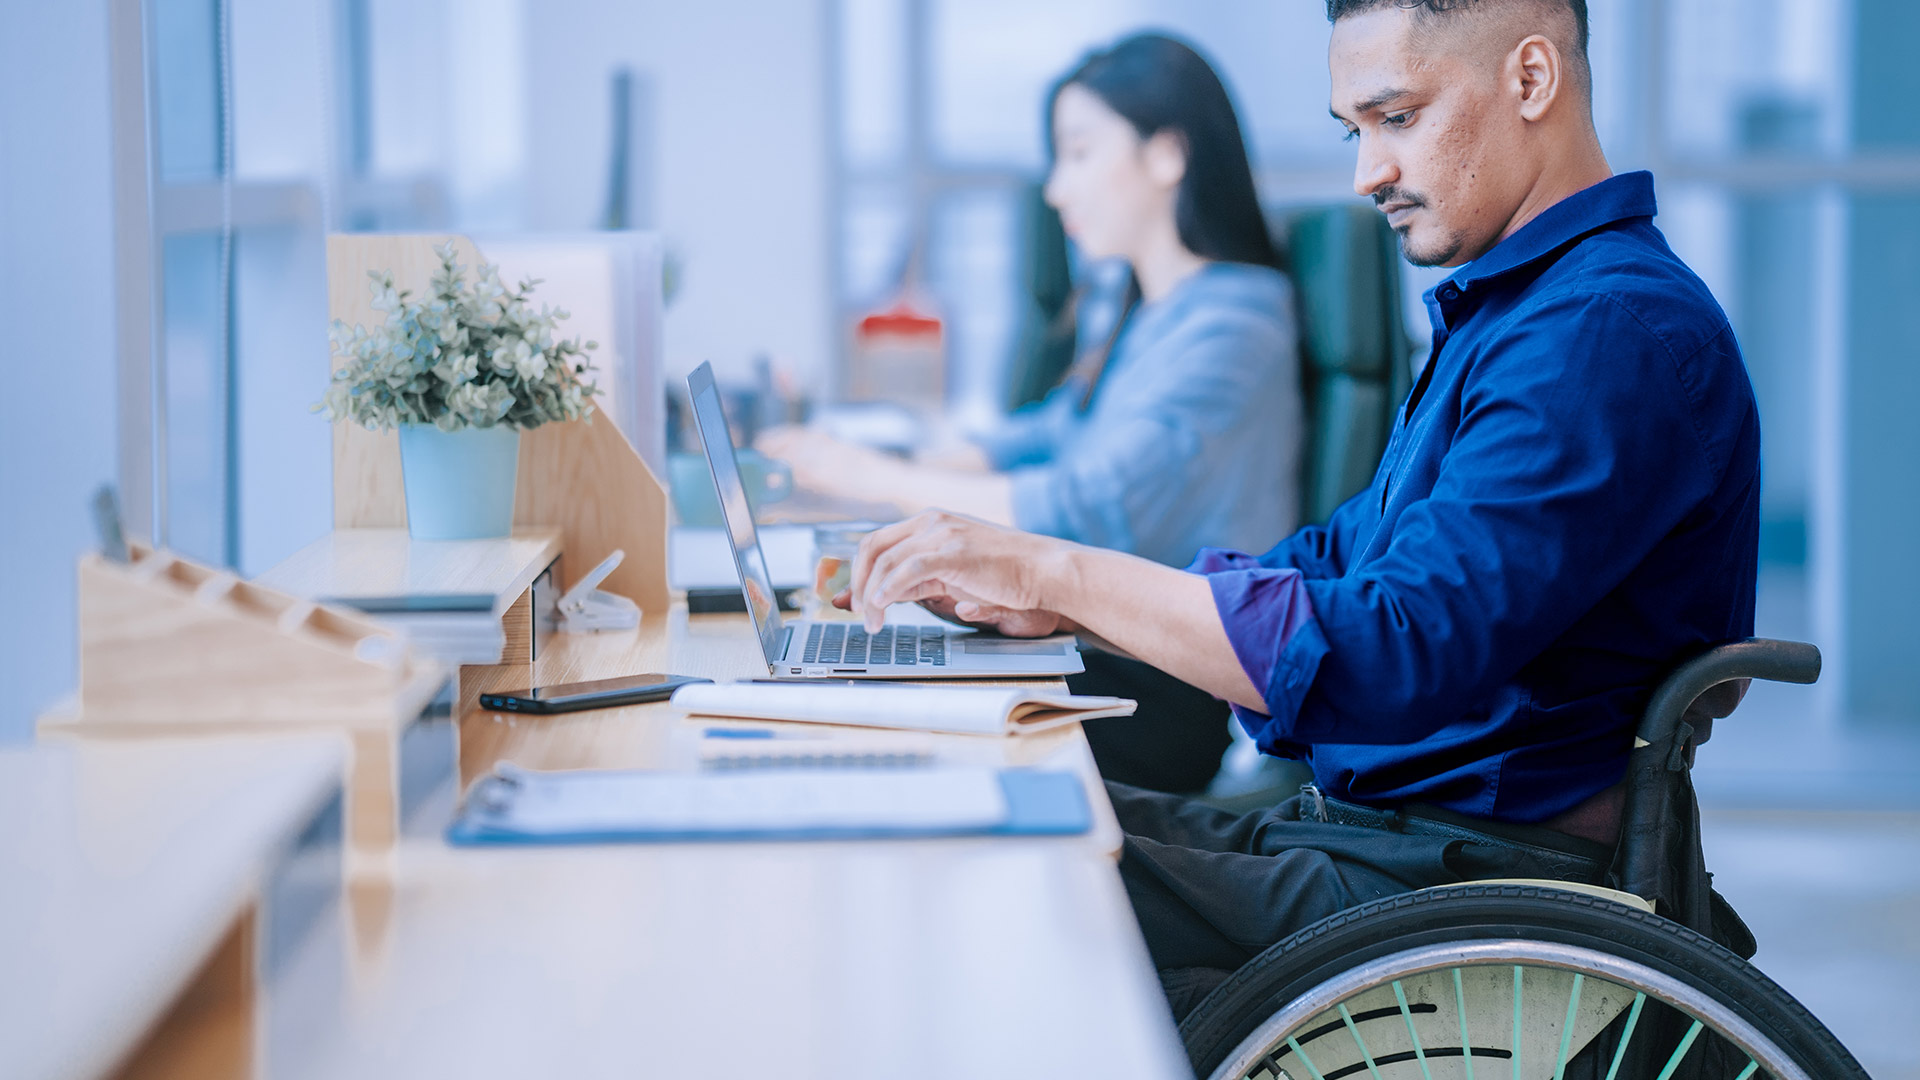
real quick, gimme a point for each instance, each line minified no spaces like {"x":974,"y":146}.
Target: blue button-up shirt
{"x":1567,"y":508}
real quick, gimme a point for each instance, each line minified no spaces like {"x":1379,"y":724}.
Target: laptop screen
{"x":717,"y":439}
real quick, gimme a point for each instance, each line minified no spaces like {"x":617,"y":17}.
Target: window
{"x":233,"y":128}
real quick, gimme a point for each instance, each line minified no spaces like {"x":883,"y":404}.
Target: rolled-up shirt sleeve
{"x":1269,"y":621}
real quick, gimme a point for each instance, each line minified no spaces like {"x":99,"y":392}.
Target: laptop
{"x":810,"y":649}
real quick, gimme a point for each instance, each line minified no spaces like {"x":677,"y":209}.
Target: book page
{"x":986,"y":710}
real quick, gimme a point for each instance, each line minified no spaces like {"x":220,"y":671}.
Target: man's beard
{"x":1432,"y":255}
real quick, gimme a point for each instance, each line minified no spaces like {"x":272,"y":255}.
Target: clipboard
{"x":520,"y":806}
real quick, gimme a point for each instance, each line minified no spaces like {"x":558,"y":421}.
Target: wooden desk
{"x":644,"y":736}
{"x":153,"y":892}
{"x":999,"y":957}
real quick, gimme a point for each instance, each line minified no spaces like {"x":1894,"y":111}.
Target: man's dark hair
{"x":1340,"y":9}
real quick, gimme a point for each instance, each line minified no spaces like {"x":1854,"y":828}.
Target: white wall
{"x":739,"y":161}
{"x":56,"y":300}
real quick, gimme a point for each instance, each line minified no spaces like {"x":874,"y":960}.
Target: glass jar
{"x":835,"y":543}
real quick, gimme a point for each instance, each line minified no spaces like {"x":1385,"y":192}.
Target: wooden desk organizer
{"x":170,"y":647}
{"x":520,"y":572}
{"x":583,"y":477}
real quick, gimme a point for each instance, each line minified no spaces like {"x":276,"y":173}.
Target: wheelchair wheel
{"x":1505,"y":981}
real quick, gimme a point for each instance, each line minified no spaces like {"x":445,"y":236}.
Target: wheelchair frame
{"x":1651,"y":938}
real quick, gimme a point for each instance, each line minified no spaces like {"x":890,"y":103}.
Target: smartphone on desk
{"x":598,"y":694}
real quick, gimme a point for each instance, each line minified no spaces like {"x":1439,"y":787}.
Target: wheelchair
{"x":1498,"y":980}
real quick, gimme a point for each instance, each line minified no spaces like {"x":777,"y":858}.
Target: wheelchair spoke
{"x":1407,"y":1015}
{"x":1680,"y":1051}
{"x":1633,"y":1018}
{"x":1513,"y":1072}
{"x":1460,"y":1009}
{"x":1589,"y":966}
{"x":1304,"y":1059}
{"x":1365,"y":1054}
{"x":1566,"y":1029}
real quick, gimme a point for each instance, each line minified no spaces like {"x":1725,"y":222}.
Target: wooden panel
{"x":166,"y":640}
{"x":169,"y":647}
{"x":517,"y":623}
{"x":208,"y":1034}
{"x":367,"y":488}
{"x":586,"y":479}
{"x":373,"y":793}
{"x":137,"y":859}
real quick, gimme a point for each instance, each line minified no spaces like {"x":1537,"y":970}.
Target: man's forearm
{"x":1163,"y":616}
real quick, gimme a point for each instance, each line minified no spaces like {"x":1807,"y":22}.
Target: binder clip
{"x":585,"y":607}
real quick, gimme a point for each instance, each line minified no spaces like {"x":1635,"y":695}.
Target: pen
{"x":850,"y":682}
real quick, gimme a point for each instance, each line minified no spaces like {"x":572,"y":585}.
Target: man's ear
{"x":1165,"y":156}
{"x":1538,"y":75}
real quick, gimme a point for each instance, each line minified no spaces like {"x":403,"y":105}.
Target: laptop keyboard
{"x":849,"y":645}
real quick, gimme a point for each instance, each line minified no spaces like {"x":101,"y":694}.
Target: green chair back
{"x":1045,"y":348}
{"x":1355,"y":351}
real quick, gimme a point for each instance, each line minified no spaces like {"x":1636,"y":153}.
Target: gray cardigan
{"x":1192,"y":438}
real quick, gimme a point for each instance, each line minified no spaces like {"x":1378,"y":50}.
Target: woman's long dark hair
{"x":1159,"y":83}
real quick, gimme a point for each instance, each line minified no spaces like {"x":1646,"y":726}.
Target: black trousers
{"x":1174,"y":739}
{"x":1213,"y":889}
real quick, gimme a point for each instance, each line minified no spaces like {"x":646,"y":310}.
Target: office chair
{"x":1045,"y":346}
{"x":1354,"y":347}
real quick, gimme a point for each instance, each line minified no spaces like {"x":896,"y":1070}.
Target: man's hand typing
{"x":1025,"y":585}
{"x":962,"y":568}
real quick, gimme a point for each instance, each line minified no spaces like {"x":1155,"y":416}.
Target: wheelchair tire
{"x":1258,"y":1022}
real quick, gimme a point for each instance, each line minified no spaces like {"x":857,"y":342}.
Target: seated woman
{"x":1176,"y":429}
{"x":1180,"y":428}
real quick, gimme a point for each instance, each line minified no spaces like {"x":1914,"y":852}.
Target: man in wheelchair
{"x":1567,"y":508}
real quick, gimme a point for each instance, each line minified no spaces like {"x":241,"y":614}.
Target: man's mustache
{"x":1391,"y":197}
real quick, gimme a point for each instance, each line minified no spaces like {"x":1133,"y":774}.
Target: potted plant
{"x":460,"y":373}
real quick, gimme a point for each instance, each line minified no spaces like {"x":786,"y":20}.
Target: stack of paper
{"x":451,"y":628}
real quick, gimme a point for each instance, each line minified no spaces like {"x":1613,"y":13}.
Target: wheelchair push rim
{"x":1278,"y":1040}
{"x":1504,"y":980}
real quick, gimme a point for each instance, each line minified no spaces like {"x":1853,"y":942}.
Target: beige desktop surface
{"x":122,"y":866}
{"x":957,"y":958}
{"x":1001,"y":957}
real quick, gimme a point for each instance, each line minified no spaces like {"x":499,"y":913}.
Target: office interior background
{"x":800,"y":157}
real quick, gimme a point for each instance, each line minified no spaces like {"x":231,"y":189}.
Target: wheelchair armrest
{"x":1754,"y":658}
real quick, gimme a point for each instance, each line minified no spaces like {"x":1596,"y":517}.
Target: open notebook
{"x":966,"y":710}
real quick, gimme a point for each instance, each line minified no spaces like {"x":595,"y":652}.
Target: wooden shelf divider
{"x":169,"y":646}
